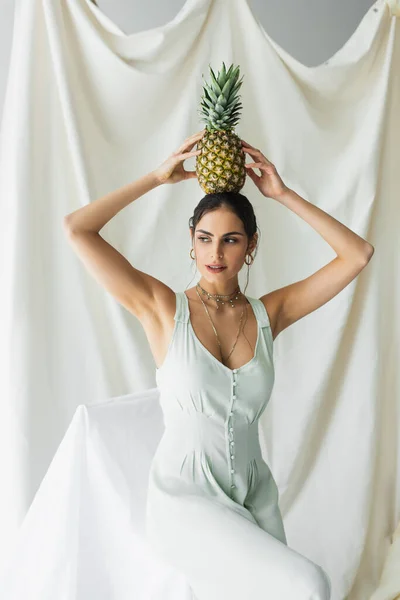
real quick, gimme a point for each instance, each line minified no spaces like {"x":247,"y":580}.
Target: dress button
{"x":232,"y":456}
{"x":230,"y":428}
{"x":231,"y":413}
{"x":233,"y":486}
{"x":232,"y":470}
{"x":235,"y":370}
{"x":234,"y":397}
{"x":232,"y":443}
{"x":234,"y":383}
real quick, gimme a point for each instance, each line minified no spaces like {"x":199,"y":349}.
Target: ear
{"x":253,"y":243}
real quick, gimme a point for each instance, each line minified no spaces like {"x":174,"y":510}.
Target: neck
{"x":224,"y":289}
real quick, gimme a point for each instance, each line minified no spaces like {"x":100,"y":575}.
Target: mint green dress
{"x":212,"y":506}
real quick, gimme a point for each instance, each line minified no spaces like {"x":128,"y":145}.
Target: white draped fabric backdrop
{"x":88,"y":109}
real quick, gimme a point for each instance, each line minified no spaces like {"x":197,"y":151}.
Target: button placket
{"x":231,"y":430}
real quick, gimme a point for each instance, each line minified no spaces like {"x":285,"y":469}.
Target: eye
{"x":234,"y":240}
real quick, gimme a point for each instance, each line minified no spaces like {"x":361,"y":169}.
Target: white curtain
{"x":88,"y":109}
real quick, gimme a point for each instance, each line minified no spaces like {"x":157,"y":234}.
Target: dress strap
{"x":182,"y":307}
{"x":259,"y":311}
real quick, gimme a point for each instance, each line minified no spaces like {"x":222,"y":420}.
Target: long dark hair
{"x":237,"y":203}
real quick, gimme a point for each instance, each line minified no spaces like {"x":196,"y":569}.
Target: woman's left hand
{"x":269,"y":182}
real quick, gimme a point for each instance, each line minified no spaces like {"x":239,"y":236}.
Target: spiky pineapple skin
{"x":220,"y":165}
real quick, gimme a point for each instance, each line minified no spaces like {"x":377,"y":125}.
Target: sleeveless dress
{"x":212,"y":505}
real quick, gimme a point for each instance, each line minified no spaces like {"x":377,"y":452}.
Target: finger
{"x":199,"y":133}
{"x":252,"y":151}
{"x":253,"y":175}
{"x":191,"y":141}
{"x":256,"y":165}
{"x":257,"y":154}
{"x":186,"y":147}
{"x":195,"y":135}
{"x":248,"y":148}
{"x":184,"y":155}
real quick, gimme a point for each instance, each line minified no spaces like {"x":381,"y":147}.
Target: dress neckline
{"x":201,"y":345}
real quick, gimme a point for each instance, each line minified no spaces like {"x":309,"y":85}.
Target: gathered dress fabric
{"x":212,"y":506}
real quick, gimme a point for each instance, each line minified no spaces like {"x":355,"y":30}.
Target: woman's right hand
{"x":171,"y":170}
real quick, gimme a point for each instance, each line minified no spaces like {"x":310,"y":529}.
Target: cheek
{"x":202,"y":255}
{"x":239,"y":252}
{"x":236,"y":256}
{"x":235,"y":253}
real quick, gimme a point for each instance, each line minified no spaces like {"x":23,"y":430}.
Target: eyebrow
{"x":225,"y":234}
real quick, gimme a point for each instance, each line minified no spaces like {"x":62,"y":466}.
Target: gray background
{"x":310,"y":30}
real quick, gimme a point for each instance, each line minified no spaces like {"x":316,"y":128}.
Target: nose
{"x":218,"y":253}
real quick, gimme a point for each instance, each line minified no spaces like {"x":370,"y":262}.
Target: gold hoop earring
{"x":252,"y":260}
{"x":190,"y":253}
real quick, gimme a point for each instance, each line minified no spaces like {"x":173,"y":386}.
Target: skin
{"x":211,"y":244}
{"x":217,"y":247}
{"x":153,"y":302}
{"x":210,"y":247}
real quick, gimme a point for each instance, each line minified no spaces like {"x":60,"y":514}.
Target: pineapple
{"x":220,"y":165}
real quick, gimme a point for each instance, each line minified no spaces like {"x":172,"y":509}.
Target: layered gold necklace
{"x":218,"y":299}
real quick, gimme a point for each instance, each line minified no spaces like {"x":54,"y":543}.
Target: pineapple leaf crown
{"x":220,"y":104}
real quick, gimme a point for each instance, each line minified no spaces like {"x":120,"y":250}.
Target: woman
{"x":212,"y":507}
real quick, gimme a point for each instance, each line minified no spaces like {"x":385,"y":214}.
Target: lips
{"x":215,"y":269}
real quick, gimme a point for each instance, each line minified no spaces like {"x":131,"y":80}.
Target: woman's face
{"x":220,"y":238}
